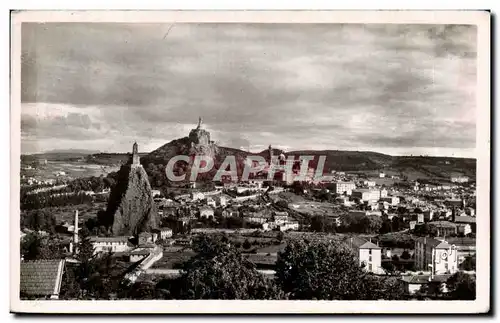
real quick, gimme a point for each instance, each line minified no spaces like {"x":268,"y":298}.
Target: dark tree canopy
{"x":219,"y":271}
{"x":462,"y":286}
{"x":325,"y":270}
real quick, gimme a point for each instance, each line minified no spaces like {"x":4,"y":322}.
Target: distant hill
{"x":368,"y":162}
{"x":340,"y":160}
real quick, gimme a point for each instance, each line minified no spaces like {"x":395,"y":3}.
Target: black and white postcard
{"x":250,"y":162}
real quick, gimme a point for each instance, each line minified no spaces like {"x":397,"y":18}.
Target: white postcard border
{"x":479,"y":18}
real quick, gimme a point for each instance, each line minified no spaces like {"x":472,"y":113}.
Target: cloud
{"x":321,"y":86}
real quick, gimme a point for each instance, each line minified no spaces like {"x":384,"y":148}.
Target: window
{"x":370,"y":258}
{"x":369,"y":267}
{"x":369,"y":251}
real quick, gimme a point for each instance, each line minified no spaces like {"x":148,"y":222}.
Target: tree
{"x":35,"y":246}
{"x":320,"y":270}
{"x":405,"y":255}
{"x":280,"y":236}
{"x":395,"y":258}
{"x":246,"y":244}
{"x":462,"y":286}
{"x":432,"y":288}
{"x":219,"y":271}
{"x":386,"y":227}
{"x":389,"y":267}
{"x":469,"y":263}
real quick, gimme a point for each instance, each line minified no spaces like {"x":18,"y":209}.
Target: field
{"x":311,"y":208}
{"x":72,"y":169}
{"x":67,"y":213}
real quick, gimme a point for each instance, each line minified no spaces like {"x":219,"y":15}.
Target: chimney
{"x":73,"y":245}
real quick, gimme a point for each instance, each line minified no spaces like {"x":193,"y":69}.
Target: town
{"x":416,"y":234}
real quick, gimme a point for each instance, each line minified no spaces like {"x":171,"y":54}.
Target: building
{"x":220,"y":200}
{"x":369,"y":195}
{"x":428,"y":215}
{"x":206,"y":212}
{"x":444,"y":228}
{"x":343,"y":187}
{"x":111,"y":244}
{"x":358,"y":213}
{"x":459,"y":179}
{"x":280,"y":217}
{"x":412,"y":225}
{"x":254,"y":218}
{"x":368,"y":253}
{"x":392,"y":200}
{"x":413,"y":283}
{"x":369,"y":183}
{"x":41,"y":279}
{"x":418,"y":217}
{"x":464,"y":229}
{"x":454,"y":202}
{"x":211,"y":202}
{"x":290,"y":225}
{"x":465,"y":247}
{"x":147,"y":238}
{"x":197,"y":196}
{"x":381,"y":175}
{"x":165,"y":233}
{"x":470,"y":211}
{"x":435,"y":255}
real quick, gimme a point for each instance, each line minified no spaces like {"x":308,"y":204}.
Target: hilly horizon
{"x":339,"y":160}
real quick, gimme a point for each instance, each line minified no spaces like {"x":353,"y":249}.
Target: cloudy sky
{"x":397,"y":89}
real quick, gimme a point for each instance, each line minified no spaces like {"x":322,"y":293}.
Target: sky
{"x":395,"y":89}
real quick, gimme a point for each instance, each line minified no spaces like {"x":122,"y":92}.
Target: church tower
{"x":270,"y":151}
{"x":135,"y":155}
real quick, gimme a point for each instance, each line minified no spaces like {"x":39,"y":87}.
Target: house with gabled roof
{"x":368,"y":254}
{"x":41,"y":279}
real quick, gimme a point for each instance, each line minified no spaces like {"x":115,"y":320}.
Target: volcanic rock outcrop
{"x":131,"y":209}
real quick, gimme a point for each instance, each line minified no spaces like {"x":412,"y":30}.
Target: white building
{"x":196,"y":196}
{"x":290,"y":225}
{"x":369,"y":195}
{"x":436,"y":256}
{"x":165,"y":233}
{"x":369,"y":183}
{"x":344,"y":187}
{"x":211,"y":202}
{"x":368,"y":253}
{"x":111,"y":244}
{"x":259,"y":219}
{"x":459,"y":179}
{"x":392,"y":200}
{"x":381,"y":175}
{"x":280,"y":217}
{"x":206,"y":212}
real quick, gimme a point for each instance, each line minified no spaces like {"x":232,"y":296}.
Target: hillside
{"x":414,"y":166}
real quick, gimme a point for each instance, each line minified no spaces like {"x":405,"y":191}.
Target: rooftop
{"x":424,"y":279}
{"x":41,"y":277}
{"x":465,"y":219}
{"x":361,"y":243}
{"x":109,"y":239}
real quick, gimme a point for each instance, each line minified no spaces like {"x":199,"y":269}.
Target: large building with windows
{"x":436,"y":256}
{"x":343,"y":187}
